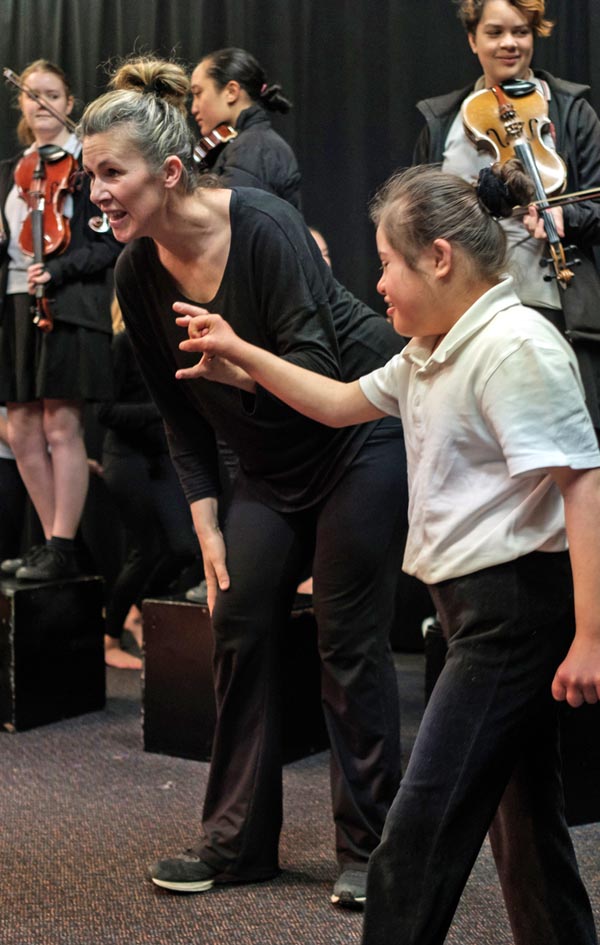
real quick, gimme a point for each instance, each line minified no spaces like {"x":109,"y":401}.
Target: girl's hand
{"x":36,"y":275}
{"x":577,"y":679}
{"x":214,"y":339}
{"x":222,"y":371}
{"x":534,"y":223}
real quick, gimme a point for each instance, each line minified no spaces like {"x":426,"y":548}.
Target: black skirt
{"x":68,"y":363}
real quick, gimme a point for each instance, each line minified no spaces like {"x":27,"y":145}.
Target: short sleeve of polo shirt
{"x":383,"y":386}
{"x":533,"y":401}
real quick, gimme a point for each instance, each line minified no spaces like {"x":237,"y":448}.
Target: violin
{"x":507,"y":121}
{"x":214,"y":139}
{"x":44,"y":178}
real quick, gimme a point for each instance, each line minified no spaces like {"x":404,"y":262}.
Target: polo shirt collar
{"x":500,"y":297}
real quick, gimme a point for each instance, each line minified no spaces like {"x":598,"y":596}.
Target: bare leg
{"x":305,"y":587}
{"x":134,"y":623}
{"x":28,"y":442}
{"x":64,"y":435}
{"x":118,"y":658}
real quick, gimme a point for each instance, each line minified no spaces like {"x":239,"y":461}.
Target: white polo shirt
{"x":485,"y":415}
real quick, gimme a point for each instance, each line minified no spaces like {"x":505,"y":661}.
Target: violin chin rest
{"x":518,"y":88}
{"x":51,"y":152}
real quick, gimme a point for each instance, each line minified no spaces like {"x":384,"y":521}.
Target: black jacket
{"x":259,"y":157}
{"x":577,"y":131}
{"x":81,"y":284}
{"x":133,"y":422}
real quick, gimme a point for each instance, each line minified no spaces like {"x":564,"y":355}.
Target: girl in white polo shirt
{"x":503,"y":467}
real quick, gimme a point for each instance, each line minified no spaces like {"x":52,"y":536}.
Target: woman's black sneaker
{"x":183,"y":873}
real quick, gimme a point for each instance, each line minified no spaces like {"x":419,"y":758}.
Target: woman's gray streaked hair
{"x":147,"y":104}
{"x":422,"y":204}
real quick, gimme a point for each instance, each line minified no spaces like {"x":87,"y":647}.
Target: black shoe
{"x":183,"y":873}
{"x":12,"y":565}
{"x":301,"y":603}
{"x":50,"y":564}
{"x":198,"y":594}
{"x":350,"y":891}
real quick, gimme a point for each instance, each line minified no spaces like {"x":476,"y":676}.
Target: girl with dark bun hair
{"x":303,"y":492}
{"x":504,"y":467}
{"x":45,"y":378}
{"x":502,"y":34}
{"x":230,"y":87}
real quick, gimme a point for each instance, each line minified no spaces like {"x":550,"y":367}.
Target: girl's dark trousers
{"x":487,"y":758}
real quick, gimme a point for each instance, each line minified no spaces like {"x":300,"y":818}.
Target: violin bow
{"x":13,"y":78}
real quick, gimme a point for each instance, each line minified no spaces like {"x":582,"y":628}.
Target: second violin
{"x":508,"y":121}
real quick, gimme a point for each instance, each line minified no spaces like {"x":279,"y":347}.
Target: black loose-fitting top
{"x":278,"y":293}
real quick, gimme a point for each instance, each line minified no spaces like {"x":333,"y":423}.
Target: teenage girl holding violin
{"x":502,"y":33}
{"x":229,"y":88}
{"x":49,"y":367}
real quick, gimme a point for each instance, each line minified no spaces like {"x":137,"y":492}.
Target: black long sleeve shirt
{"x":278,"y":293}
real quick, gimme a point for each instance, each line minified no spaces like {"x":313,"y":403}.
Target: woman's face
{"x":503,"y":42}
{"x":123,"y":185}
{"x":44,"y":126}
{"x":323,"y":247}
{"x":210,"y":105}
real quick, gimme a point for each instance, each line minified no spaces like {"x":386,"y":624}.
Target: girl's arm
{"x":577,"y":679}
{"x":321,"y":398}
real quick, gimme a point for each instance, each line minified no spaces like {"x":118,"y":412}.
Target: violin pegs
{"x":99,"y":224}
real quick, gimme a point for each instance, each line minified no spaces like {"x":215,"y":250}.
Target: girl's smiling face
{"x":123,"y":185}
{"x":503,"y":42}
{"x":409,"y":292}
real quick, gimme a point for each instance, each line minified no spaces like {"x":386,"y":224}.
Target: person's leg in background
{"x":13,"y":497}
{"x":127,"y":479}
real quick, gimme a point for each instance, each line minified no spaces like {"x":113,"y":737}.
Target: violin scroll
{"x":99,"y":224}
{"x":214,"y":139}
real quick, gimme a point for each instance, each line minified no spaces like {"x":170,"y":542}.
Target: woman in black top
{"x":302,"y":488}
{"x":229,"y":87}
{"x":45,"y":378}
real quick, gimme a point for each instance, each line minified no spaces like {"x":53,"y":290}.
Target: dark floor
{"x":84,"y":810}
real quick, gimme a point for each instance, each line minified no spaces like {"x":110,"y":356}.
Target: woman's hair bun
{"x":148,"y":75}
{"x":502,"y":187}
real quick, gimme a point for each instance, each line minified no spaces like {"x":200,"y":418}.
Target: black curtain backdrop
{"x":354,"y":70}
